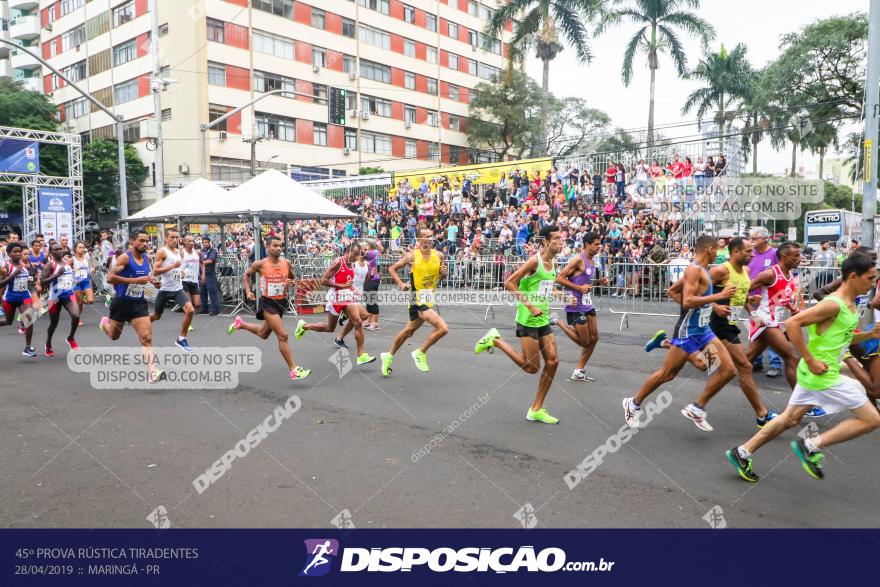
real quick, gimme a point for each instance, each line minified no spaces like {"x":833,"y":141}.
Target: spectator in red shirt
{"x":611,"y":179}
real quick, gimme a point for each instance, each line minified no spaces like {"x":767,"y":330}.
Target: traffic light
{"x":337,"y":106}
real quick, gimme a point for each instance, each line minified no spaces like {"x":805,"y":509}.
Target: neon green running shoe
{"x":386,"y":363}
{"x":300,"y":373}
{"x":811,"y":461}
{"x":190,"y":328}
{"x":541,"y":415}
{"x":487,"y":342}
{"x":421,"y":360}
{"x":365,"y":358}
{"x":300,"y":329}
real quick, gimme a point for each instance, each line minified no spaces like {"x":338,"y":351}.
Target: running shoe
{"x":184,"y":344}
{"x":71,"y":342}
{"x":541,"y":415}
{"x":81,"y":323}
{"x":49,"y":352}
{"x":190,"y":328}
{"x":421,"y":360}
{"x":156,"y":375}
{"x":29,"y":352}
{"x":629,"y":414}
{"x":697,"y":416}
{"x":580,"y":375}
{"x":236,"y":324}
{"x":762,"y":421}
{"x":386,"y":363}
{"x":22,"y":330}
{"x":102,"y":325}
{"x":300,"y":373}
{"x":811,"y":461}
{"x":340,"y":343}
{"x":655,"y":341}
{"x":365,"y":358}
{"x":487,"y":342}
{"x":816,"y":412}
{"x":554,"y":318}
{"x":742,"y":466}
{"x":300,"y":329}
{"x":774,"y":372}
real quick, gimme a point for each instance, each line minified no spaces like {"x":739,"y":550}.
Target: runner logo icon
{"x":320,"y":554}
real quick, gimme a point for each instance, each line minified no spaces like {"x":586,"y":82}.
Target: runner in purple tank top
{"x":578,"y":277}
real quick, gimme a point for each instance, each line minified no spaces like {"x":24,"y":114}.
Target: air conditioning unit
{"x":346,"y":151}
{"x":354,"y":113}
{"x":473,"y":47}
{"x":408,"y":124}
{"x":316,"y":68}
{"x":352,"y":76}
{"x":365,"y":115}
{"x":223,"y":135}
{"x":183,"y":169}
{"x":48,"y":26}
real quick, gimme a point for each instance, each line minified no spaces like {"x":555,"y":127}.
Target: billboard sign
{"x":19,"y":156}
{"x":56,"y":213}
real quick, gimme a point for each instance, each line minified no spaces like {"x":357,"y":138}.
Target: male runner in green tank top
{"x":831,"y":324}
{"x":534,"y":286}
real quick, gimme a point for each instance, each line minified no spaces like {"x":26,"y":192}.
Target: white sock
{"x":741,"y":451}
{"x":811,"y":445}
{"x":633,"y":404}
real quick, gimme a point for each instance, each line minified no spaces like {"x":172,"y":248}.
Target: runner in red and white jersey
{"x":777,"y":285}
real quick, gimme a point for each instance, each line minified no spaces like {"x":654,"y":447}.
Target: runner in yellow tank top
{"x":427,"y":267}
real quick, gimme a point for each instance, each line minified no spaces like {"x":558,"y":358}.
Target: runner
{"x":339,"y":278}
{"x":60,"y":276}
{"x":276,"y":276}
{"x":830,"y":324}
{"x":581,"y":326}
{"x":371,"y":285}
{"x":37,"y":258}
{"x":193,"y":272}
{"x":82,"y":282}
{"x":15,"y":281}
{"x":128,"y":275}
{"x":167,"y":268}
{"x":692,"y":335}
{"x":533,"y":284}
{"x":361,"y":270}
{"x":427,"y":266}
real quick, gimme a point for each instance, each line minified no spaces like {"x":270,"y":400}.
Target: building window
{"x":351,"y":101}
{"x":273,"y":126}
{"x":454,"y":122}
{"x":453,"y":92}
{"x":431,"y":22}
{"x":472,"y":67}
{"x":319,"y":134}
{"x":473,"y":38}
{"x":375,"y":143}
{"x":319,"y":18}
{"x":123,"y":13}
{"x":376,"y":106}
{"x":277,"y":7}
{"x":409,"y":113}
{"x":351,"y":139}
{"x":432,"y":55}
{"x":453,"y":30}
{"x":433,"y":150}
{"x":409,"y":14}
{"x":454,"y":154}
{"x":349,"y":64}
{"x":216,"y":30}
{"x":382,"y":6}
{"x":215,"y":112}
{"x":432,"y":86}
{"x":377,"y":72}
{"x":273,"y":45}
{"x":319,"y":91}
{"x":163,"y":29}
{"x":410,"y":150}
{"x":269,"y":82}
{"x":77,"y":108}
{"x":131,"y":132}
{"x":124,"y":52}
{"x":125,"y":92}
{"x":487,"y":71}
{"x":453,"y":61}
{"x":75,"y":72}
{"x":375,"y":37}
{"x":493,"y":45}
{"x":216,"y":74}
{"x":68,"y":6}
{"x":73,"y":38}
{"x":319,"y":57}
{"x":433,"y":118}
{"x":348,"y":28}
{"x":100,"y":62}
{"x":409,"y":80}
{"x":409,"y":48}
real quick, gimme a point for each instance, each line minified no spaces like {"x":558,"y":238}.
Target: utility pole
{"x":253,"y":142}
{"x":157,"y":86}
{"x":872,"y":119}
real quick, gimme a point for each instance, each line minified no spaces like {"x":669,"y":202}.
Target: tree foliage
{"x":101,"y":174}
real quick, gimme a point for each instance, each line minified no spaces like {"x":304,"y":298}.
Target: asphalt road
{"x":75,"y":456}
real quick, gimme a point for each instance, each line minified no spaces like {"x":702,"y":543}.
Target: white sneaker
{"x":580,"y":375}
{"x":630,"y":415}
{"x":697,"y":416}
{"x":554,"y":318}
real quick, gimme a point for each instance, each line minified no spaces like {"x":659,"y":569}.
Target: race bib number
{"x":273,"y":290}
{"x":20,"y":283}
{"x":861,"y":305}
{"x":134,"y":290}
{"x":546,"y":289}
{"x":344,"y":296}
{"x":174,"y":276}
{"x":190,"y":275}
{"x":587,"y":300}
{"x":65,"y":282}
{"x":705,"y":314}
{"x":735,"y":314}
{"x":81,"y":274}
{"x":425,"y":297}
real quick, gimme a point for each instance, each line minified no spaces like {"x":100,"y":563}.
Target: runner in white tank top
{"x":168,"y":268}
{"x":192,"y":270}
{"x":82,"y":277}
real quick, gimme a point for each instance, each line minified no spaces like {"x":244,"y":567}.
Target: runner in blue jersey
{"x":15,"y":282}
{"x":58,"y":277}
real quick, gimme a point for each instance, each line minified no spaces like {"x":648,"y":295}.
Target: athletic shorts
{"x":83,"y":285}
{"x":846,"y":394}
{"x":9,"y":306}
{"x":868,"y":348}
{"x":415,"y":310}
{"x":127,"y":310}
{"x":269,"y":306}
{"x":191,"y":288}
{"x":179,"y":297}
{"x":579,"y":317}
{"x":726,"y":331}
{"x":54,"y":306}
{"x":535,"y":332}
{"x":693,"y":344}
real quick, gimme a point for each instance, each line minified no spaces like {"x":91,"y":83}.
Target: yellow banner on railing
{"x":479,"y":173}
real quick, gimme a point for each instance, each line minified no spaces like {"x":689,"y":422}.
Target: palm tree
{"x":660,"y":23}
{"x":540,"y":28}
{"x":729,"y":84}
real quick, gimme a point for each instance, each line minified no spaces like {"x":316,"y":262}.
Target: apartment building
{"x":20,"y":22}
{"x":402,"y":74}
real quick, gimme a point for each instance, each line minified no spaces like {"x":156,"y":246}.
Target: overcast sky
{"x":756,"y":23}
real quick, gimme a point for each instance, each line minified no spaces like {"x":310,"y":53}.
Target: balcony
{"x":31,"y":83}
{"x":4,"y":34}
{"x":23,"y":4}
{"x":21,"y":60}
{"x":5,"y":69}
{"x":24,"y":27}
